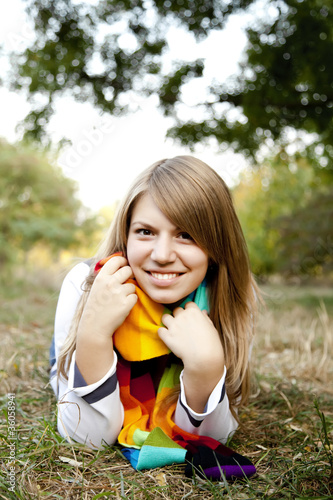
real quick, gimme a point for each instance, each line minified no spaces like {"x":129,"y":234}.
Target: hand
{"x":111,"y":298}
{"x":190,"y":334}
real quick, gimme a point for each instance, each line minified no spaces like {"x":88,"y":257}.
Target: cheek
{"x":130,"y":251}
{"x":201,"y":258}
{"x":199,"y":263}
{"x":135,"y":253}
{"x":203,"y":269}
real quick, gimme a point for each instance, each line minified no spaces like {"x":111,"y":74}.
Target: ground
{"x":287,"y":429}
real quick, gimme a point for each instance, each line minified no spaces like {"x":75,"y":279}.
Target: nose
{"x":163,"y":250}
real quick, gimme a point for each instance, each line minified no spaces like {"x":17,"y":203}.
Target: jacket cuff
{"x":92,"y":393}
{"x":215,"y":398}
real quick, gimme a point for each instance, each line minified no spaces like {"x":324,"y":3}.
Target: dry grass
{"x":296,"y":344}
{"x":287,"y":438}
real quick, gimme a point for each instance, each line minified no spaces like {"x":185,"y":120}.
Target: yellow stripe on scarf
{"x":137,"y":338}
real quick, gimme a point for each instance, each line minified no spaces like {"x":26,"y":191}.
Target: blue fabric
{"x":52,"y":357}
{"x":132,"y":456}
{"x":158,"y":450}
{"x":199,"y":296}
{"x":152,"y":457}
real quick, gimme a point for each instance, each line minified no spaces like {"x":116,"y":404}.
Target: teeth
{"x":164,"y":276}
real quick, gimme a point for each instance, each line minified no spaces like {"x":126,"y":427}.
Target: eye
{"x":143,"y":232}
{"x":185,"y":236}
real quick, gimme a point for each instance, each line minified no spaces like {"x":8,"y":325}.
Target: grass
{"x":287,"y":429}
{"x":293,"y":294}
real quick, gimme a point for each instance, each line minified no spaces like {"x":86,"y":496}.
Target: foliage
{"x":103,"y":52}
{"x":38,"y":204}
{"x":306,"y":236}
{"x":285,"y":83}
{"x":110,"y":50}
{"x":285,"y":209}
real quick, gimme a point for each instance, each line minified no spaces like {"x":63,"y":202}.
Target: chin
{"x":164,"y":298}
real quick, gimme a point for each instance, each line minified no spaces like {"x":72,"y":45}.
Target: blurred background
{"x":92,"y":92}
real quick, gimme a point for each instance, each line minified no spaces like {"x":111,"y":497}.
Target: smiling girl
{"x":156,"y":332}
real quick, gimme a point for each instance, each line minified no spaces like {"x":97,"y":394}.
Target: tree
{"x":105,"y":52}
{"x":38,"y":204}
{"x":285,"y":208}
{"x":81,"y":48}
{"x":307,"y":241}
{"x":285,"y":83}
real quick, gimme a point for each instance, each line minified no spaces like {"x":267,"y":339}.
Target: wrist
{"x":204,"y":377}
{"x":94,"y":340}
{"x":205,"y":368}
{"x":198,"y":386}
{"x":92,"y":330}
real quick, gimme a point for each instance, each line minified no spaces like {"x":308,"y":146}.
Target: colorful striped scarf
{"x":149,"y":434}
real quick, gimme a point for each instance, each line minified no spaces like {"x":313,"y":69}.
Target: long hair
{"x":195,"y":198}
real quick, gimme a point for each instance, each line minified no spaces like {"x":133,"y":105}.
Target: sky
{"x":107,"y":153}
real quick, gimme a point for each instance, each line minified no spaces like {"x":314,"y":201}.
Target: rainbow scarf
{"x":149,"y":434}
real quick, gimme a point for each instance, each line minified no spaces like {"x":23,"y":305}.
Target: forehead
{"x":146,"y":211}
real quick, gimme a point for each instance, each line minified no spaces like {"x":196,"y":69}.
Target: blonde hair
{"x":195,"y":198}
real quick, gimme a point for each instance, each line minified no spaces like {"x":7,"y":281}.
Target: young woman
{"x":156,"y":331}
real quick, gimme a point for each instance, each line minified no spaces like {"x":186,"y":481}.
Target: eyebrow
{"x":147,"y":225}
{"x":141,"y":223}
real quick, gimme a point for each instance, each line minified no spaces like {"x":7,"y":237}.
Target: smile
{"x":164,"y":276}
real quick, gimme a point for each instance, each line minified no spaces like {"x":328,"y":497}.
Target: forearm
{"x":94,"y":353}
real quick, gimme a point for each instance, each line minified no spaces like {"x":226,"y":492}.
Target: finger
{"x":177,"y":311}
{"x":167,"y":320}
{"x":132,"y":300}
{"x":165,"y":336}
{"x":191,"y":305}
{"x":123,"y":274}
{"x":162,"y":332}
{"x":113,"y":264}
{"x":129,"y":289}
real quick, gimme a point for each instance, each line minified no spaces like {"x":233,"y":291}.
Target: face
{"x":166,"y":262}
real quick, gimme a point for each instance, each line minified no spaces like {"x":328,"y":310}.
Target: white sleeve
{"x":69,"y":296}
{"x":90,"y":414}
{"x":216,"y":421}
